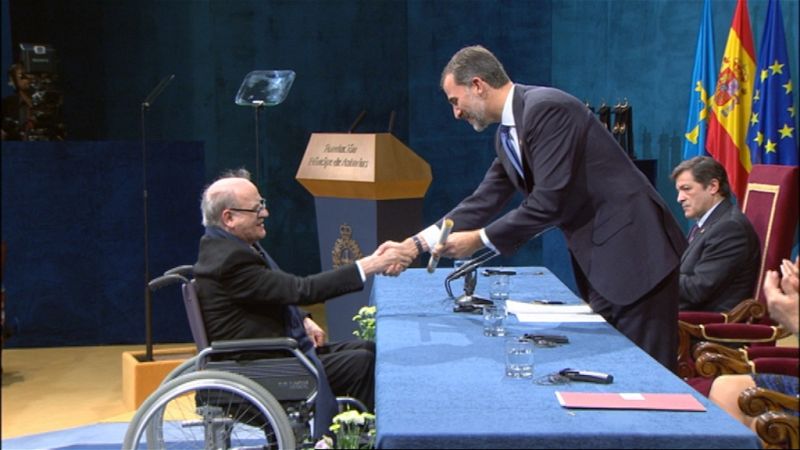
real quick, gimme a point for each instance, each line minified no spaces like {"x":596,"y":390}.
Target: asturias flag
{"x":727,"y":128}
{"x":702,"y":83}
{"x":772,"y":137}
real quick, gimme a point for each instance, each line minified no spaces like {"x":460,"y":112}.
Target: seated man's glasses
{"x":262,"y":206}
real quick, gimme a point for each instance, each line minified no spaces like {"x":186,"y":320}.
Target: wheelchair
{"x":210,"y":402}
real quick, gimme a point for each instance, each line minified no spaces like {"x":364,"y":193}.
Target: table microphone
{"x":447,"y":225}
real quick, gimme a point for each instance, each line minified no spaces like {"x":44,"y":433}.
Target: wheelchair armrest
{"x":265,"y":344}
{"x":165,"y":280}
{"x":284,"y":344}
{"x":185,"y":271}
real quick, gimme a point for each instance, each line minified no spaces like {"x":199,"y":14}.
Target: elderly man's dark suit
{"x":719,"y":269}
{"x":244,"y":295}
{"x":625,"y":244}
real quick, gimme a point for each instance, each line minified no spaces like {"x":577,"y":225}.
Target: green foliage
{"x":366,"y":323}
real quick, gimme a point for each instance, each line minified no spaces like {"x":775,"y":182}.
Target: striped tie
{"x":505,"y":138}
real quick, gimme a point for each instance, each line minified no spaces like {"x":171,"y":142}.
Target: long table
{"x":440,"y":383}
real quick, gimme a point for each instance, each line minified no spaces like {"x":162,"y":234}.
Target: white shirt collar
{"x":508,"y":110}
{"x":705,"y":217}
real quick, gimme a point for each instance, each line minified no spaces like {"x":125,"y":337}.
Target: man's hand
{"x":408,"y":250}
{"x":388,"y":255}
{"x":461,"y":244}
{"x":790,"y":283}
{"x":314,"y":332}
{"x":782,"y":296}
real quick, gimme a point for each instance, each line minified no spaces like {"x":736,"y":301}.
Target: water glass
{"x":519,"y":357}
{"x":499,"y":287}
{"x":493,"y":318}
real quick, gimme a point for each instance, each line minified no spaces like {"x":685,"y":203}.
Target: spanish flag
{"x":732,"y":102}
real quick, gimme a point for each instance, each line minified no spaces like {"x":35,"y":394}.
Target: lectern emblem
{"x":345,"y":249}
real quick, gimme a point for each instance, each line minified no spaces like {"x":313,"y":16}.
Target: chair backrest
{"x":195,"y":314}
{"x":771,"y":204}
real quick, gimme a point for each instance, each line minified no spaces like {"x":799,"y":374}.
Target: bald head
{"x":234,"y":204}
{"x":222,"y":194}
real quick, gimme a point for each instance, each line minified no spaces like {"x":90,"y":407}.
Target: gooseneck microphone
{"x":148,"y":101}
{"x":471,"y":265}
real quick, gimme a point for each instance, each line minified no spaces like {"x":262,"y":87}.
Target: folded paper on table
{"x":630,"y":400}
{"x":518,"y":307}
{"x":533,"y":318}
{"x":527,"y":312}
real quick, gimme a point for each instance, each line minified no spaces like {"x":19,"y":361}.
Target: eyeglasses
{"x":262,"y":206}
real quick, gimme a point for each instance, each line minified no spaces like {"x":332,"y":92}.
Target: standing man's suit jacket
{"x":577,"y":178}
{"x":720,"y":267}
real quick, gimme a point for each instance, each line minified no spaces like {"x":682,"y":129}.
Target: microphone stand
{"x":148,"y":307}
{"x":468,"y":302}
{"x":257,"y":105}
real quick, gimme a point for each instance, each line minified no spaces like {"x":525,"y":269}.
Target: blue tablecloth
{"x":440,"y":383}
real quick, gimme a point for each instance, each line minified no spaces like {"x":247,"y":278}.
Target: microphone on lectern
{"x":447,"y":225}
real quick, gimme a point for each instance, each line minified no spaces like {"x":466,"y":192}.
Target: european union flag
{"x":772,"y":137}
{"x":702,"y":82}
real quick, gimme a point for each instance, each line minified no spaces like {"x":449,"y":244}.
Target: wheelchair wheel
{"x":210,"y":410}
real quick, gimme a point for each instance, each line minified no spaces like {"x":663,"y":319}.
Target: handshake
{"x":391,"y":258}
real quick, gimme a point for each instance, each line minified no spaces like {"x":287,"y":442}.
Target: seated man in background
{"x":17,"y":118}
{"x":244,"y":295}
{"x":783,"y":303}
{"x":720,"y":266}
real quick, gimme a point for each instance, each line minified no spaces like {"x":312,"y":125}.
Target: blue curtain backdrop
{"x":73,"y":223}
{"x":378,"y":56}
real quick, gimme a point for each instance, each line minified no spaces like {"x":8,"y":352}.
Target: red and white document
{"x":629,"y":400}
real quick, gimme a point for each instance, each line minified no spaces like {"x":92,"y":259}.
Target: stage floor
{"x":47,"y":389}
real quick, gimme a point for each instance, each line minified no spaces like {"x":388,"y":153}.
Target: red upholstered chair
{"x":771,"y":204}
{"x":713,"y":359}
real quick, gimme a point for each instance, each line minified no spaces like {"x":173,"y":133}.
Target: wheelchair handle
{"x":165,"y":280}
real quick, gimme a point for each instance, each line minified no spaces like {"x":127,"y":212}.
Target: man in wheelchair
{"x":244,"y":295}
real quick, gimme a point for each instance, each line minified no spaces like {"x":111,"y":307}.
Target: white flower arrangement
{"x":352,"y":430}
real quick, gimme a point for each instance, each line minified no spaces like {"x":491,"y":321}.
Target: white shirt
{"x":705,"y":217}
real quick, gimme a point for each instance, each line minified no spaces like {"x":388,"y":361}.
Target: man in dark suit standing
{"x":719,"y":269}
{"x":244,"y":295}
{"x":625,"y":244}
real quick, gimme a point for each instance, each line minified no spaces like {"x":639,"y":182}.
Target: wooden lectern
{"x":367,"y":188}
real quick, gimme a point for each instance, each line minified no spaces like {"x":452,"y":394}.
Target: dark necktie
{"x":693,"y":232}
{"x":263,"y":253}
{"x":505,"y":138}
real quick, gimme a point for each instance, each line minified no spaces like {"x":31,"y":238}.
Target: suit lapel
{"x":720,"y":211}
